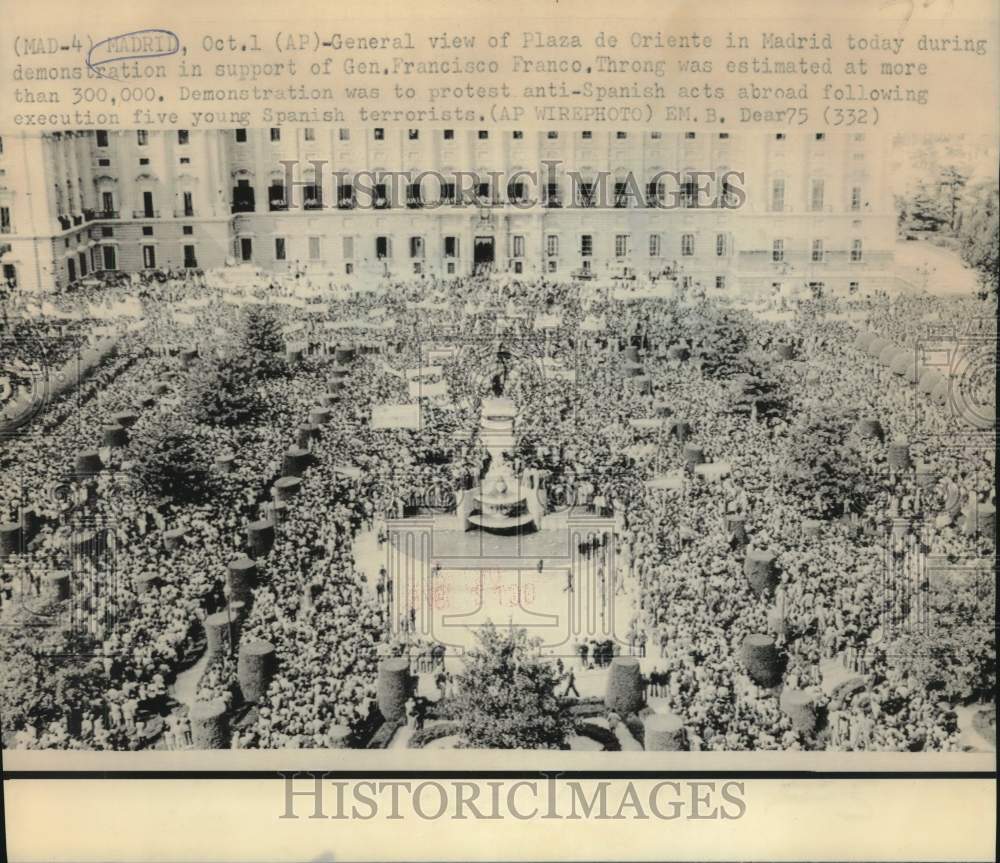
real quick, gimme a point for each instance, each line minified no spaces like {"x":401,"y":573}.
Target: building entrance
{"x":483,"y":251}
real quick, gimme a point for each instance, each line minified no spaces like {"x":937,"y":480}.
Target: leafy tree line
{"x":222,"y":392}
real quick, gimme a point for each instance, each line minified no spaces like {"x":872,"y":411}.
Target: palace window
{"x":816,"y":196}
{"x":777,"y":196}
{"x":687,"y":245}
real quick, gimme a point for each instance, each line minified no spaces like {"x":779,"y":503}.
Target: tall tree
{"x":979,"y":234}
{"x":506,"y":695}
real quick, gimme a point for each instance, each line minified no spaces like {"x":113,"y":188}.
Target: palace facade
{"x":742,"y":211}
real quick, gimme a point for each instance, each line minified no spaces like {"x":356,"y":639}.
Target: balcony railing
{"x":276,"y":206}
{"x":312,"y":204}
{"x":243,"y":207}
{"x":145,"y":214}
{"x":106,"y":214}
{"x":185,"y":213}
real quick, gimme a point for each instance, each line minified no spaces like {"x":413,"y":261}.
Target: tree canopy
{"x":506,"y":695}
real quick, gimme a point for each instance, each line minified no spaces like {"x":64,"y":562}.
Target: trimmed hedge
{"x":605,"y":736}
{"x":760,"y":570}
{"x":384,"y":734}
{"x":664,"y":732}
{"x":255,"y":669}
{"x":430,"y":733}
{"x":209,"y":724}
{"x":762,"y":660}
{"x":624,"y":692}
{"x":800,"y":706}
{"x":394,"y":686}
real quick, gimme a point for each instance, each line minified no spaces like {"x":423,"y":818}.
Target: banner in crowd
{"x":396,"y":416}
{"x":548,"y":322}
{"x":420,"y":389}
{"x":556,"y":371}
{"x":439,"y":355}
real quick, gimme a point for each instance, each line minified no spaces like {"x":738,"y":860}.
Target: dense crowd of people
{"x":330,"y":622}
